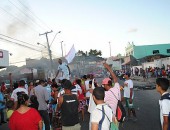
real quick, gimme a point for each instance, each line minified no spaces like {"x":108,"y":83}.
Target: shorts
{"x":128,"y":105}
{"x":87,"y":102}
{"x":75,"y":127}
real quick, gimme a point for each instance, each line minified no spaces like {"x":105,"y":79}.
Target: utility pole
{"x":49,"y":50}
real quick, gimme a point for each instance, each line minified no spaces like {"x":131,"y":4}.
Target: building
{"x":115,"y":62}
{"x":139,"y":52}
{"x":4,"y":58}
{"x":157,"y":63}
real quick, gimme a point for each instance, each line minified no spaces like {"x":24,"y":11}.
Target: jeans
{"x":2,"y":115}
{"x":46,"y":119}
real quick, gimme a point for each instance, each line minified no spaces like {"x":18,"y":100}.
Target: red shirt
{"x":26,"y":121}
{"x":3,"y":88}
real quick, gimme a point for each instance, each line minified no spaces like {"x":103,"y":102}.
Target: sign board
{"x":4,"y":58}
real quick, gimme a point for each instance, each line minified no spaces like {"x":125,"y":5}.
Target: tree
{"x":90,"y":53}
{"x":119,"y":55}
{"x":81,"y":53}
{"x":94,"y":53}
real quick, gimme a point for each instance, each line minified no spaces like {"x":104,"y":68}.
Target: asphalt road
{"x":147,"y":109}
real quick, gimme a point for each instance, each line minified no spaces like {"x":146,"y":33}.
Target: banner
{"x":71,"y":54}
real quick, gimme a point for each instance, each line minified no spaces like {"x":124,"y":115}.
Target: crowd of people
{"x":61,"y":104}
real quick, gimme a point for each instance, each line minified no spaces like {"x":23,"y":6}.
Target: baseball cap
{"x":106,"y":80}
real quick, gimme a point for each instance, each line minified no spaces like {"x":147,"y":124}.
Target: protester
{"x":112,"y":94}
{"x":3,"y":87}
{"x":30,"y":87}
{"x":10,"y":108}
{"x":2,"y":107}
{"x":21,"y":88}
{"x":128,"y":96}
{"x":43,"y":97}
{"x":68,"y":104}
{"x":81,"y":97}
{"x":162,"y":85}
{"x":87,"y":89}
{"x":102,"y":114}
{"x":25,"y":118}
{"x":64,"y":68}
{"x":34,"y":102}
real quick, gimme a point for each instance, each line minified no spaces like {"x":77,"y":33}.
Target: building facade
{"x":147,"y":50}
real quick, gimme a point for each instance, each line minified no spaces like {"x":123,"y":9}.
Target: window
{"x":155,"y":51}
{"x":168,"y":50}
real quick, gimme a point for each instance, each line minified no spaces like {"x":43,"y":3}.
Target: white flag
{"x":71,"y":54}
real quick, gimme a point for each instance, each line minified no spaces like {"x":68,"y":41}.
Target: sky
{"x":88,"y":24}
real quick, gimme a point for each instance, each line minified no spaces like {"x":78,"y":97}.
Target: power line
{"x":30,"y":56}
{"x":26,"y":15}
{"x":34,"y":14}
{"x":17,"y":40}
{"x":17,"y":19}
{"x":19,"y":44}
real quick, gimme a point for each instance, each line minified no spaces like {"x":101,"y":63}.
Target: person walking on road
{"x":43,"y":98}
{"x":162,"y":85}
{"x":68,"y":104}
{"x":129,"y":95}
{"x":21,"y":88}
{"x":25,"y":118}
{"x":102,"y":115}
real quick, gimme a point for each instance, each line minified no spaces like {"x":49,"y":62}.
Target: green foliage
{"x":90,"y":53}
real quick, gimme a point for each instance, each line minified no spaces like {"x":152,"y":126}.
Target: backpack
{"x":120,"y":111}
{"x":113,"y":126}
{"x":167,"y":96}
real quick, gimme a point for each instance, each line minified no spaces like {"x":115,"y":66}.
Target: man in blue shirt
{"x":2,"y":107}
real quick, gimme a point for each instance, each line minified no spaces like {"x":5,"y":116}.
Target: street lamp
{"x":54,"y":37}
{"x":62,"y":47}
{"x":110,"y":49}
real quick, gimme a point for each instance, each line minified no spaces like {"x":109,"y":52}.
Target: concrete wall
{"x":146,"y":65}
{"x":117,"y":65}
{"x":166,"y":61}
{"x":157,"y":63}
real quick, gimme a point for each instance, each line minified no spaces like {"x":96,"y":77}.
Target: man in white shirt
{"x":162,"y":85}
{"x":21,"y":88}
{"x":128,"y":96}
{"x":64,"y":68}
{"x":87,"y":89}
{"x":102,"y":115}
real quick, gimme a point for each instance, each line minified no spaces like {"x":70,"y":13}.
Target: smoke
{"x":20,"y":18}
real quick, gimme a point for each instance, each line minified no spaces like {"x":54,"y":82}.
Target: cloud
{"x":132,"y":30}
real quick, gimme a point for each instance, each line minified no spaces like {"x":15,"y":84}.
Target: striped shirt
{"x":110,"y":98}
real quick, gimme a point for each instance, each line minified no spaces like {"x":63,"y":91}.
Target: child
{"x":162,"y":85}
{"x":10,"y":107}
